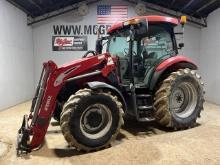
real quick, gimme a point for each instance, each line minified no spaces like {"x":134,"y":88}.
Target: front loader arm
{"x":34,"y":126}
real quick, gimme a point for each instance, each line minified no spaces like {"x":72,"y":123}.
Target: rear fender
{"x":101,"y":85}
{"x":170,"y":65}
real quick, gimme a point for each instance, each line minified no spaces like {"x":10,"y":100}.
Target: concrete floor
{"x":138,"y":143}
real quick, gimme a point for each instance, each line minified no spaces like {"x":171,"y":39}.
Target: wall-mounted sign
{"x":69,"y":43}
{"x":71,"y":30}
{"x":74,"y":37}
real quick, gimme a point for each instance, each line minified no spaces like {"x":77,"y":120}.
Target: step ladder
{"x":144,"y":107}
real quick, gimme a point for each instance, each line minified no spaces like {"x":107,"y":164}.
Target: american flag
{"x":109,"y":14}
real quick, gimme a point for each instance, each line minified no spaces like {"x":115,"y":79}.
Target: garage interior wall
{"x":24,"y":48}
{"x":16,"y":52}
{"x":210,"y":57}
{"x":43,"y":32}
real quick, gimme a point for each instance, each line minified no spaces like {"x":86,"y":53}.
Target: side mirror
{"x":98,"y":46}
{"x":181,"y":45}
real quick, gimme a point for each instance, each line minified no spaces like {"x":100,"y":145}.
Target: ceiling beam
{"x":186,"y":5}
{"x":35,"y":4}
{"x":204,"y":6}
{"x":56,"y":13}
{"x":20,"y":7}
{"x":171,"y":4}
{"x":171,"y":13}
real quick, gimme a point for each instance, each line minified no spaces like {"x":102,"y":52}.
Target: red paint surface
{"x":62,"y":42}
{"x":170,"y":61}
{"x":51,"y":91}
{"x":115,"y":26}
{"x":150,"y":19}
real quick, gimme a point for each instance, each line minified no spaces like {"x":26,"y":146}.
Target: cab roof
{"x":150,"y":19}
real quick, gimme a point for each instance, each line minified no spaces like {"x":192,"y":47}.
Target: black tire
{"x":76,"y":131}
{"x":57,"y":112}
{"x":182,"y":112}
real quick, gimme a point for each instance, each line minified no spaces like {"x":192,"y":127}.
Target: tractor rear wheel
{"x":179,"y":100}
{"x":91,"y":120}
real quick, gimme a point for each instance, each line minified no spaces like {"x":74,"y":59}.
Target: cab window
{"x":158,"y":42}
{"x":119,"y":46}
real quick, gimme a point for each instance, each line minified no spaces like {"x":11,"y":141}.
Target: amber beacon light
{"x":183,"y":19}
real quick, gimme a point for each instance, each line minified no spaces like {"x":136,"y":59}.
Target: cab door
{"x":157,"y":46}
{"x":118,"y":46}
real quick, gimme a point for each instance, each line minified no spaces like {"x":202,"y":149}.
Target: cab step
{"x":146,"y":119}
{"x":145,"y":108}
{"x":143,"y":96}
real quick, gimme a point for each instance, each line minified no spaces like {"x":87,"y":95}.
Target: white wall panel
{"x":16,"y":56}
{"x":210,"y":57}
{"x":43,"y":32}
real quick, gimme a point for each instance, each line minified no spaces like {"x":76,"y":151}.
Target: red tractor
{"x":139,"y":75}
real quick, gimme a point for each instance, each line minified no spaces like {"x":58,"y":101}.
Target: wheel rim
{"x":96,"y":121}
{"x":184,"y":99}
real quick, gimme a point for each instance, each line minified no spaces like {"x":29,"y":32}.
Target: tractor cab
{"x":140,"y":44}
{"x":140,"y":48}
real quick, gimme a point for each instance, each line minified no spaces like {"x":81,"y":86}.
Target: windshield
{"x":118,"y":44}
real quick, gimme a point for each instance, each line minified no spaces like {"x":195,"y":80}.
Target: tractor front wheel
{"x":179,"y":100}
{"x":91,"y":120}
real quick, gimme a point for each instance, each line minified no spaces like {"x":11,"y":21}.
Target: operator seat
{"x":138,"y":66}
{"x":145,"y":55}
{"x":149,"y":58}
{"x":148,"y":52}
{"x":123,"y":65}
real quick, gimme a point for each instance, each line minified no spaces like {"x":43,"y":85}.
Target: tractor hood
{"x":84,"y":65}
{"x":97,"y":59}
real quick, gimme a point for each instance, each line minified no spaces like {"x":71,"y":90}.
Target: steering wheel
{"x":89,"y":52}
{"x":126,"y":52}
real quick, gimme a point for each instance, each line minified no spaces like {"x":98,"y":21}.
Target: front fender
{"x":171,"y":64}
{"x":101,"y":85}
